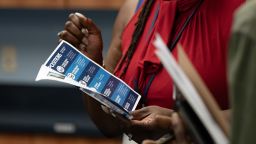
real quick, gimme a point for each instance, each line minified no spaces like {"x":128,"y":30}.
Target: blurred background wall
{"x":28,"y":34}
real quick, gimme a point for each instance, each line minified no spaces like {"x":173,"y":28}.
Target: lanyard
{"x":172,"y":45}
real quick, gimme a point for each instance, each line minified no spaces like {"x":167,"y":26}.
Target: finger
{"x":142,"y":123}
{"x":74,"y":18}
{"x":59,"y":40}
{"x":74,"y":30}
{"x":67,"y":36}
{"x":178,"y":129}
{"x":158,"y":121}
{"x":88,"y":23}
{"x":140,"y":113}
{"x":123,"y":119}
{"x":149,"y":142}
{"x":85,"y":41}
{"x":105,"y":109}
{"x":164,"y":122}
{"x":85,"y":32}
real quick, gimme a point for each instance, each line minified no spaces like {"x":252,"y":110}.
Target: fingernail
{"x":85,"y":41}
{"x":82,"y":47}
{"x":71,"y":14}
{"x":84,"y":31}
{"x":79,"y":14}
{"x":59,"y":33}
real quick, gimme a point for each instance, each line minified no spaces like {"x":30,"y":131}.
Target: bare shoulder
{"x":124,"y":16}
{"x":128,"y":10}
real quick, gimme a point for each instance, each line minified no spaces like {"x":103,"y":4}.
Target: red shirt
{"x":204,"y":39}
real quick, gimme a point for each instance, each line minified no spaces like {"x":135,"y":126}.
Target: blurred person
{"x":204,"y":36}
{"x":242,"y":74}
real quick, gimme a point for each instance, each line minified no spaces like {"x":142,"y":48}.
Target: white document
{"x":188,"y":90}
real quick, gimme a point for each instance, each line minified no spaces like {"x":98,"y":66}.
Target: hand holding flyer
{"x":67,"y":64}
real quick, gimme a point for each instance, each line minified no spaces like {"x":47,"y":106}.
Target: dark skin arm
{"x":81,"y":32}
{"x":85,"y":35}
{"x":114,"y":53}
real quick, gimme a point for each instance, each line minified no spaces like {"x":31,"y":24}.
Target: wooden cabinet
{"x":62,"y":4}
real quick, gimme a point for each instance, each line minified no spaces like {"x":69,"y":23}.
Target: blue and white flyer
{"x":67,"y":64}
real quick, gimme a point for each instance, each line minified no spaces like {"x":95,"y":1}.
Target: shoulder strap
{"x":140,"y":2}
{"x":173,"y":43}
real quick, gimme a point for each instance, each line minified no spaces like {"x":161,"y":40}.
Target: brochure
{"x":68,"y":65}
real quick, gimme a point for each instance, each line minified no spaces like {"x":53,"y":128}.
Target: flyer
{"x":68,"y":65}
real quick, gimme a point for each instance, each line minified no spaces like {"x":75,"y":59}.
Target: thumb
{"x":140,"y":113}
{"x":88,"y":23}
{"x":179,"y":129}
{"x":149,"y":142}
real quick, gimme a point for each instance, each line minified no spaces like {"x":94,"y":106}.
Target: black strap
{"x":173,"y":44}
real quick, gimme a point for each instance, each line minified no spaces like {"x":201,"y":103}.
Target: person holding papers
{"x":202,"y":27}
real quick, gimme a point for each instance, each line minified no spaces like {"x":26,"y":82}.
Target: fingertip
{"x":70,"y":15}
{"x":59,"y":40}
{"x":85,"y":31}
{"x":134,"y":115}
{"x":79,"y":14}
{"x":59,"y":34}
{"x":82,"y":47}
{"x":68,"y":24}
{"x":149,"y":142}
{"x":81,"y":17}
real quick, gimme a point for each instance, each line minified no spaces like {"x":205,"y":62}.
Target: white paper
{"x":189,"y":91}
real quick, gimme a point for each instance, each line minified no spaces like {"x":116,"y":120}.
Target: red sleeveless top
{"x":204,"y":39}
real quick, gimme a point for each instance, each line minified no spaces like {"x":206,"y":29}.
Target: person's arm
{"x":84,"y":34}
{"x":124,"y":15}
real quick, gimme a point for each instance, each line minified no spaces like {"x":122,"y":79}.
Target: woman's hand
{"x":147,"y":123}
{"x":176,"y":125}
{"x":82,"y":33}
